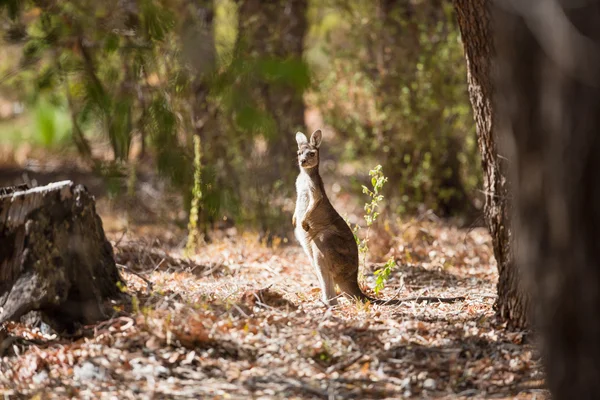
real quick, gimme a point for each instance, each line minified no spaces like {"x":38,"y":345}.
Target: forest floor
{"x":244,"y":320}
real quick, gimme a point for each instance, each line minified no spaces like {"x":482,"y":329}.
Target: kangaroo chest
{"x":305,"y":193}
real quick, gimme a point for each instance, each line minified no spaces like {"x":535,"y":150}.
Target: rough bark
{"x":549,"y":109}
{"x":474,"y":22}
{"x":54,"y":256}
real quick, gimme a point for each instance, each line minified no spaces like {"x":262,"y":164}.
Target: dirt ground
{"x":242,"y":320}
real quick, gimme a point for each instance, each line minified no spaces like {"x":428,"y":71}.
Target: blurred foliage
{"x":194,"y":235}
{"x":264,"y":90}
{"x":101,"y":60}
{"x":49,"y":126}
{"x":390,"y":78}
{"x":378,"y":180}
{"x":141,"y":78}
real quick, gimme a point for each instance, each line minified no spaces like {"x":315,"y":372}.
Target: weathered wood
{"x":54,"y":256}
{"x":11,"y":189}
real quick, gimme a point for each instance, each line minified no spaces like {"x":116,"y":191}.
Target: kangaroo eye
{"x":312,"y":153}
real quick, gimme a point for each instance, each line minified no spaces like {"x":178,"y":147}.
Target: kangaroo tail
{"x":351,"y":289}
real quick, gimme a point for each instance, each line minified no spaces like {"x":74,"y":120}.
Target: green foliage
{"x":392,"y":83}
{"x":52,"y":122}
{"x":193,"y":229}
{"x":13,"y":7}
{"x":225,"y":30}
{"x":378,"y":180}
{"x":156,"y":19}
{"x":383,"y":274}
{"x":102,"y":60}
{"x":259,"y":94}
{"x":47,"y":126}
{"x":284,"y":72}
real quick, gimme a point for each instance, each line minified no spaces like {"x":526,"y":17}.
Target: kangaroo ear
{"x":301,"y":138}
{"x":315,"y":138}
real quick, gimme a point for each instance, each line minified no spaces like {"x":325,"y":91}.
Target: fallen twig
{"x":344,"y":364}
{"x":149,"y":284}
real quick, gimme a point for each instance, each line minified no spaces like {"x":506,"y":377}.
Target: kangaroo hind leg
{"x":326,"y":280}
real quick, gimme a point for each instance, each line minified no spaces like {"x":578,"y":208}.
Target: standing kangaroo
{"x":325,"y":236}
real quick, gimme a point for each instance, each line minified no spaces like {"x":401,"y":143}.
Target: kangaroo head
{"x":308,"y":151}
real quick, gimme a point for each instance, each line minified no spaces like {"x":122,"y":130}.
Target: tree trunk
{"x":199,"y":51}
{"x":474,"y":22}
{"x":275,"y":30}
{"x":54,"y":257}
{"x":549,"y":110}
{"x":271,"y":40}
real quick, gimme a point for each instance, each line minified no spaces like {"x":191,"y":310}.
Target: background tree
{"x":549,"y":109}
{"x":386,"y":88}
{"x":199,"y":53}
{"x":144,"y":77}
{"x":99,"y":64}
{"x":474,"y":21}
{"x":269,"y":48}
{"x":400,"y":55}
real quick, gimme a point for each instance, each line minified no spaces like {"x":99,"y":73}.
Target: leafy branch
{"x":378,"y":180}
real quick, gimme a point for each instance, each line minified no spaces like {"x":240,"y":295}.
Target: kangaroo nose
{"x":303,"y":161}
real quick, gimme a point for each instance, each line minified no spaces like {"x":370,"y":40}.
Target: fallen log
{"x":54,"y":256}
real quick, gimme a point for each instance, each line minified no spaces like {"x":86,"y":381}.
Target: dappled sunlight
{"x":246,"y":319}
{"x":233,"y":169}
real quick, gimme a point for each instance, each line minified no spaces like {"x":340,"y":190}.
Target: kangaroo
{"x":324,"y":235}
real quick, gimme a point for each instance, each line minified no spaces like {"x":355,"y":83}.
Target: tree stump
{"x":54,"y":256}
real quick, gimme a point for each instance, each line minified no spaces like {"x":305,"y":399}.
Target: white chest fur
{"x":304,"y":190}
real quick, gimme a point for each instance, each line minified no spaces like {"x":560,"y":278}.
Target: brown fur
{"x":325,"y":236}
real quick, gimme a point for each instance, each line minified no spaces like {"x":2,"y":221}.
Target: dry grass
{"x":240,"y":320}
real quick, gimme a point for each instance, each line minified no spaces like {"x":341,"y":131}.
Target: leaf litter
{"x":241,"y":320}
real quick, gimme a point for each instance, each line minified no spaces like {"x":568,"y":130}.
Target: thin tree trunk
{"x":549,"y":109}
{"x":474,"y":22}
{"x":276,"y":30}
{"x":199,"y":51}
{"x":271,"y":39}
{"x":198,"y":40}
